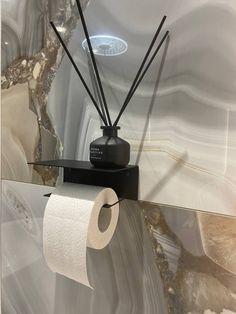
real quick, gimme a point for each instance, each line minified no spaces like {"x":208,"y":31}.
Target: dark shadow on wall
{"x":183,"y":158}
{"x":154,"y":95}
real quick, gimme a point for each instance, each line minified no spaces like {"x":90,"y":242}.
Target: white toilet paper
{"x":73,"y":220}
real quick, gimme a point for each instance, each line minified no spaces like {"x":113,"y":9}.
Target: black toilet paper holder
{"x":124,"y":181}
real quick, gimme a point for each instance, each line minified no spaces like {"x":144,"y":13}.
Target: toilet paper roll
{"x":74,"y":220}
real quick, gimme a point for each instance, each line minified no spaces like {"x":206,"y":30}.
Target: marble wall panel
{"x":124,"y":274}
{"x":181,"y":122}
{"x":28,"y":286}
{"x":181,"y":128}
{"x":30,"y":58}
{"x":161,"y":260}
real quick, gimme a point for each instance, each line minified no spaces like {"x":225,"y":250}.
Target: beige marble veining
{"x":161,"y":260}
{"x":181,"y":120}
{"x":17,"y":142}
{"x":34,"y":64}
{"x":219,"y":240}
{"x":202,"y":282}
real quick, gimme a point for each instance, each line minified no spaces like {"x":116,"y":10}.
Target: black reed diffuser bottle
{"x":110,"y":151}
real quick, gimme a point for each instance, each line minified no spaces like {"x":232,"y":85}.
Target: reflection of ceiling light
{"x":6,"y":42}
{"x":61,"y":29}
{"x":105,"y":45}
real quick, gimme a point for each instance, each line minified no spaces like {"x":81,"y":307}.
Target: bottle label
{"x":96,"y":153}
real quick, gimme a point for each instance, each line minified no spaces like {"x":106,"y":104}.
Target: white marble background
{"x":182,"y":131}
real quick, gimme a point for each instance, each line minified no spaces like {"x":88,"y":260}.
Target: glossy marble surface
{"x":124,"y":275}
{"x":160,"y":260}
{"x":27,"y":284}
{"x":30,"y":57}
{"x":181,"y":122}
{"x":181,"y":126}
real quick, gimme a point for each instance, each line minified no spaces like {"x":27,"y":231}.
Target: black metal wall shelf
{"x":124,"y":181}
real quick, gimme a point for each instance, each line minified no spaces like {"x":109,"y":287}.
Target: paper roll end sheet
{"x":74,"y":219}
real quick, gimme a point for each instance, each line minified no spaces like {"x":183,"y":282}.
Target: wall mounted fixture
{"x":109,"y":154}
{"x":124,"y":181}
{"x":100,"y":153}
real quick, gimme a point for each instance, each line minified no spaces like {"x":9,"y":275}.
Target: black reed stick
{"x":97,"y":93}
{"x":140,"y":79}
{"x":146,"y":57}
{"x":93,"y":60}
{"x":148,"y":65}
{"x":78,"y":72}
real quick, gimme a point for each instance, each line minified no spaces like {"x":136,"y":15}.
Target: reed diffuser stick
{"x":148,"y":65}
{"x":78,"y":72}
{"x":140,"y":79}
{"x":146,"y":57}
{"x":93,"y":61}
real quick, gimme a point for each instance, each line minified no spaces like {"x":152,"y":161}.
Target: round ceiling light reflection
{"x":61,"y":29}
{"x":105,"y":45}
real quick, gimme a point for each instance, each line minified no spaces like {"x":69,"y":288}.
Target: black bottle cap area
{"x":110,"y":130}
